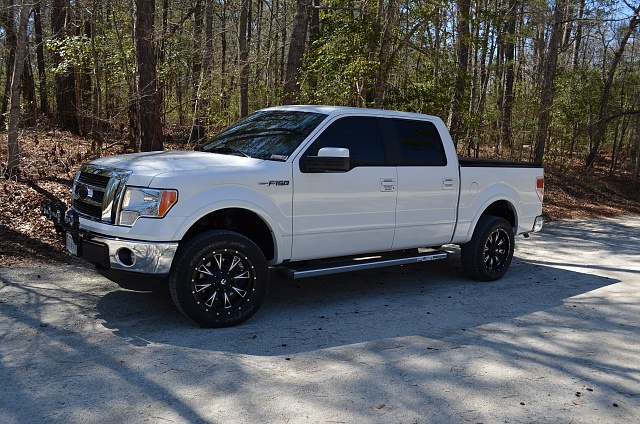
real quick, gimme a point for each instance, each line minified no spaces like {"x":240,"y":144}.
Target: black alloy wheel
{"x":222,"y":281}
{"x":487,"y":256}
{"x":219,"y":279}
{"x":497,"y":250}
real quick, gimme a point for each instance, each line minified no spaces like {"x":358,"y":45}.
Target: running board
{"x":357,"y":265}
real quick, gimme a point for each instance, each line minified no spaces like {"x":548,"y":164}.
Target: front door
{"x":343,"y":213}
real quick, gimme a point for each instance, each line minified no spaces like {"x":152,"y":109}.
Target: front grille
{"x":96,"y":190}
{"x":87,"y":209}
{"x":94,"y":180}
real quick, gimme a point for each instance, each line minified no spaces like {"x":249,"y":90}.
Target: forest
{"x":535,"y":80}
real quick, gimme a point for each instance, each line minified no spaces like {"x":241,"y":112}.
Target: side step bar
{"x":357,"y":265}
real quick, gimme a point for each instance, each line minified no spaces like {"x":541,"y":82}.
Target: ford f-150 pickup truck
{"x":306,"y":190}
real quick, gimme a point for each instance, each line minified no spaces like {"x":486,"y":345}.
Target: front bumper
{"x":107,"y":252}
{"x":127,"y":255}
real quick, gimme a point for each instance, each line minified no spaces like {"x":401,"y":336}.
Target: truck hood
{"x":147,"y":165}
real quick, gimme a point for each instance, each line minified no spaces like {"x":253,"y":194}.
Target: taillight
{"x":540,"y":187}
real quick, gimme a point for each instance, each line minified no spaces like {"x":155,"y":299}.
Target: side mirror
{"x":329,"y":159}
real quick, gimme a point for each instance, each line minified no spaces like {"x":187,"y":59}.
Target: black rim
{"x":496,"y":250}
{"x":222,"y":282}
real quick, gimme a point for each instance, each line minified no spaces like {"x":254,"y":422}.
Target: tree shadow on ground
{"x":432,"y":300}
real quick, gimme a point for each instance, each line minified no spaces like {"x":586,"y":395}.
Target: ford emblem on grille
{"x":84,"y":192}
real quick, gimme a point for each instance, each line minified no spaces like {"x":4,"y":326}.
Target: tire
{"x":487,"y":256}
{"x":219,"y":279}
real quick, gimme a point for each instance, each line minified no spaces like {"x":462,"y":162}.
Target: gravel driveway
{"x":556,"y":340}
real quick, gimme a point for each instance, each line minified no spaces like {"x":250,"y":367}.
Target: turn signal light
{"x":540,"y":187}
{"x":169,"y":197}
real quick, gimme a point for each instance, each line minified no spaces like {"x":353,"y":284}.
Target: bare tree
{"x":462,"y":55}
{"x":243,"y":58}
{"x":546,"y":96}
{"x":66,"y":98}
{"x":506,"y":138}
{"x":197,"y":127}
{"x":578,"y":37}
{"x":42,"y":75}
{"x":296,"y":50}
{"x":601,"y":123}
{"x":148,"y":105}
{"x":385,"y":55}
{"x":7,"y":23}
{"x":13,"y":164}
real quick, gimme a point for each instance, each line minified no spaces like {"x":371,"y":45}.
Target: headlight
{"x":140,"y":202}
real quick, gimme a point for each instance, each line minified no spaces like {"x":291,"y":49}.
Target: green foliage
{"x":72,"y":52}
{"x":421,"y":96}
{"x":340,"y":64}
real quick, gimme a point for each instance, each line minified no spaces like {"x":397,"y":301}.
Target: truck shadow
{"x":433,"y":300}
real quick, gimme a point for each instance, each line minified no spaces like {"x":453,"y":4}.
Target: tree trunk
{"x":205,"y":84}
{"x":150,"y":129}
{"x":224,"y":95}
{"x":462,"y":62}
{"x":197,"y":129}
{"x":636,"y":149}
{"x":243,"y":59}
{"x":314,"y":30}
{"x":162,"y":85}
{"x":283,"y":42}
{"x":42,"y":75}
{"x":96,"y":101}
{"x":601,"y":123}
{"x":385,"y":56}
{"x":7,"y":22}
{"x":296,"y":51}
{"x":65,"y":81}
{"x":578,"y":38}
{"x":13,"y":163}
{"x":29,"y":106}
{"x":506,"y":137}
{"x":546,"y":97}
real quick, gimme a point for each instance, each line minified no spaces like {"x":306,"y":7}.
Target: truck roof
{"x":343,"y":110}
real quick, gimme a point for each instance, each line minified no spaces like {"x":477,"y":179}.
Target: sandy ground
{"x":556,"y":340}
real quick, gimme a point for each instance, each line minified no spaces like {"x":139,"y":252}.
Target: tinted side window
{"x":420,"y":143}
{"x":360,"y":135}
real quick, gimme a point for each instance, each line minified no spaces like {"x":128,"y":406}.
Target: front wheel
{"x":487,"y":256}
{"x":220,"y":279}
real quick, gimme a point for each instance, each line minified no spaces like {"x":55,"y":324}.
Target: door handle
{"x":447,"y":184}
{"x":387,"y":184}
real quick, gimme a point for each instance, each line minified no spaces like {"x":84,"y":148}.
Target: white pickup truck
{"x":307,"y":190}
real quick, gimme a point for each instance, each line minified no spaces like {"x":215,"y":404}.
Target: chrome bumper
{"x":142,"y":257}
{"x":538,"y":223}
{"x":132,"y":256}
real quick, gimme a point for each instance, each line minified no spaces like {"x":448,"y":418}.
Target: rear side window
{"x":359,"y":134}
{"x":419,"y":143}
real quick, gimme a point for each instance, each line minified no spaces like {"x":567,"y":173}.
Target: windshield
{"x":268,"y":134}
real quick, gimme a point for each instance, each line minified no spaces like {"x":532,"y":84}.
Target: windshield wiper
{"x":226,"y":149}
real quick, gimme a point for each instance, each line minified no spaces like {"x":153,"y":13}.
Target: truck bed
{"x":467,"y":162}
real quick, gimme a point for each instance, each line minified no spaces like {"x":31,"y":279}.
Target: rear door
{"x":427,"y":184}
{"x":343,"y":213}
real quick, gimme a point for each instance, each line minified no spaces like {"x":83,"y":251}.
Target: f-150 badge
{"x":274,"y":183}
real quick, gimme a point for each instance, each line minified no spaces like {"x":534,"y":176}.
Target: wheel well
{"x":503,"y":209}
{"x":241,"y":221}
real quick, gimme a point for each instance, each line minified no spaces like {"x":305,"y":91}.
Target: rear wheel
{"x":220,"y":279}
{"x":488,"y":254}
